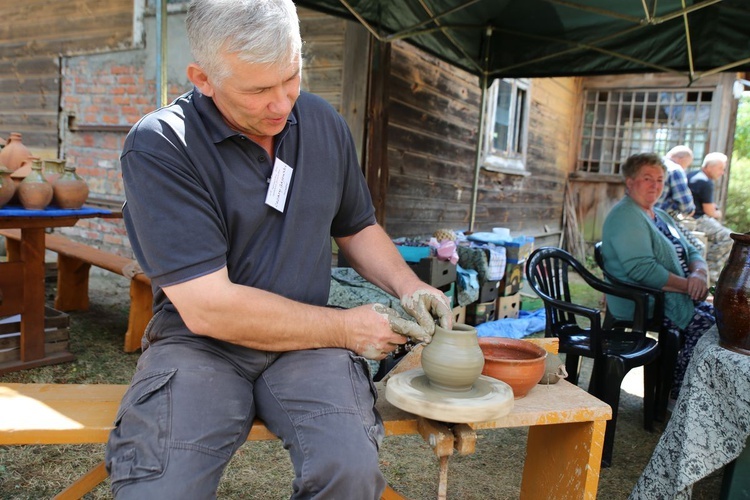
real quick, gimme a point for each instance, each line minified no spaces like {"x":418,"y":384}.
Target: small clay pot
{"x":70,"y":190}
{"x":35,"y":192}
{"x":518,"y":363}
{"x":15,"y":153}
{"x":453,"y":361}
{"x":53,"y":169}
{"x":554,"y":370}
{"x":7,"y":186}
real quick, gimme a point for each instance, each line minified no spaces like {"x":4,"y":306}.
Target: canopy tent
{"x":546,"y":38}
{"x":549,"y":38}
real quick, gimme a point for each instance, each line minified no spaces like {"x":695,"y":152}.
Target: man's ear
{"x":199,"y":78}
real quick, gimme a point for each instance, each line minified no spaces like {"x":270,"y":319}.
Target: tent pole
{"x":478,"y":156}
{"x":161,"y":54}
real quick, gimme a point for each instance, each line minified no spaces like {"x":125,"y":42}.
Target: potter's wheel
{"x":488,"y":399}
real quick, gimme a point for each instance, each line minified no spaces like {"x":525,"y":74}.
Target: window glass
{"x":617,"y":123}
{"x":506,"y":122}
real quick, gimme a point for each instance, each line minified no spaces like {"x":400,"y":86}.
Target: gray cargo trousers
{"x":193,"y":400}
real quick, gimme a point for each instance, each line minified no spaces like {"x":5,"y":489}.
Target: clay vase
{"x":453,"y":360}
{"x":35,"y":192}
{"x":15,"y":153}
{"x":732,"y":297}
{"x":7,"y":186}
{"x":53,"y":169}
{"x":70,"y":190}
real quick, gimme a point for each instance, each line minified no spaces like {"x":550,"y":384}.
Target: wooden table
{"x":22,"y":281}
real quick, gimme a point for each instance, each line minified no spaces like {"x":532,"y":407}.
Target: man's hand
{"x":403,"y":326}
{"x":425,"y":305}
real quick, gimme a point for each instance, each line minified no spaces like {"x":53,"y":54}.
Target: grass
{"x":262,"y":470}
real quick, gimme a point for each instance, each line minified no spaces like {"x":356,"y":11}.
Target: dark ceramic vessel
{"x":732,"y":297}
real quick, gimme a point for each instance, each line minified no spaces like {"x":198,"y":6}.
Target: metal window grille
{"x":618,"y":123}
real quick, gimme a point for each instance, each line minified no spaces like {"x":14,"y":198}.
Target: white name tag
{"x":674,"y":232}
{"x":279,"y":185}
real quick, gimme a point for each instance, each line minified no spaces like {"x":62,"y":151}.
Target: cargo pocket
{"x":139,"y":444}
{"x":366,"y":402}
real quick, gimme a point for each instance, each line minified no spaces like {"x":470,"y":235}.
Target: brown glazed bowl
{"x":518,"y":363}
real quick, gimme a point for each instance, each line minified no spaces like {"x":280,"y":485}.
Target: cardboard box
{"x":489,"y":291}
{"x":508,"y":307}
{"x":480,"y":312}
{"x":518,"y":249}
{"x":434,"y":272}
{"x":511,"y":282}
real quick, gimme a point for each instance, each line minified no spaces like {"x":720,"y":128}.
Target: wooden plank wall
{"x":432,"y":135}
{"x":33,"y":35}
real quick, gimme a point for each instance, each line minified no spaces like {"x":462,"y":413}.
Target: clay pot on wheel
{"x":453,"y":360}
{"x":732,"y":297}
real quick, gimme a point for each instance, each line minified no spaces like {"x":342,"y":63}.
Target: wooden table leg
{"x":27,"y":265}
{"x":32,"y":320}
{"x":563,"y":460}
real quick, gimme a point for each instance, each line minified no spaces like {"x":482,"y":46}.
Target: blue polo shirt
{"x":196,"y":193}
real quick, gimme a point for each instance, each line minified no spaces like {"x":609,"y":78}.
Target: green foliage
{"x":742,"y":132}
{"x":737,"y":216}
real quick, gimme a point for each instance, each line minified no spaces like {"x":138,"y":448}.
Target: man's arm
{"x":711,"y":210}
{"x":374,"y":256}
{"x":213,"y":306}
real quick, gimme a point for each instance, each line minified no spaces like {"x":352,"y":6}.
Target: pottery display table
{"x":22,"y":281}
{"x":709,"y":426}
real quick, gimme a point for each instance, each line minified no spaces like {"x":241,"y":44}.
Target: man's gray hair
{"x":258,"y":31}
{"x":714,"y":158}
{"x":679,"y":152}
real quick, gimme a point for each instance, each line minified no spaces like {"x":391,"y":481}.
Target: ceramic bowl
{"x":518,"y":363}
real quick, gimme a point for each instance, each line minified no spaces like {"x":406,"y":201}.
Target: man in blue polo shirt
{"x":233,"y":194}
{"x":707,"y":213}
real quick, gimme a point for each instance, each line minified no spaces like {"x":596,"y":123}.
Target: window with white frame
{"x":506,"y":124}
{"x":621,"y":122}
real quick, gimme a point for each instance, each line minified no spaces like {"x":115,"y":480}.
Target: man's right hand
{"x":373,"y":331}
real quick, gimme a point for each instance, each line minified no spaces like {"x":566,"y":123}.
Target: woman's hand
{"x":697,"y":284}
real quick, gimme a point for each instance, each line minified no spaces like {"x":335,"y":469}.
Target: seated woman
{"x":641,"y":244}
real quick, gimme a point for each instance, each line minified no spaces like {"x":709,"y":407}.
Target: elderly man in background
{"x":708,"y":215}
{"x":676,"y":199}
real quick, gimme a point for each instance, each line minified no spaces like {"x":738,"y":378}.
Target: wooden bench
{"x":74,"y":261}
{"x":560,"y":417}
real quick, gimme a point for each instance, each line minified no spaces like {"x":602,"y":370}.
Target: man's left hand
{"x":425,"y":305}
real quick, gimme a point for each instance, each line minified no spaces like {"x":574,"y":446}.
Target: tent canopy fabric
{"x":549,"y":38}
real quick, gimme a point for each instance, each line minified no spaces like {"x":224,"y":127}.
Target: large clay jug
{"x":732,"y":297}
{"x":15,"y":153}
{"x":70,"y":190}
{"x":453,"y":359}
{"x":35,"y":192}
{"x":7,"y":186}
